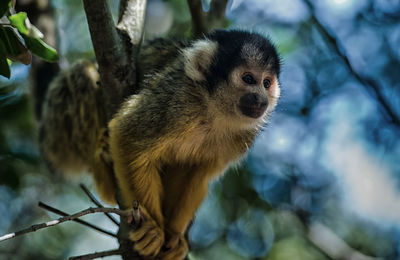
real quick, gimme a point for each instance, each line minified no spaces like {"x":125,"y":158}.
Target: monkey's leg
{"x":140,"y":180}
{"x":102,"y":168}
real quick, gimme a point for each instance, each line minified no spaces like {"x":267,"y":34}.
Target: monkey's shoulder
{"x":157,"y":54}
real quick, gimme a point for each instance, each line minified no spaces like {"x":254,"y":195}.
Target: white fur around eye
{"x":277,"y":88}
{"x":274,"y":96}
{"x":198,"y":58}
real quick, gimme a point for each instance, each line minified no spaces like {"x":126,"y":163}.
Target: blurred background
{"x":322,"y":180}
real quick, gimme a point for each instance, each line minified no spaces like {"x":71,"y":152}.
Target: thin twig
{"x":204,"y":22}
{"x":198,"y":17}
{"x":369,"y":83}
{"x":97,"y":203}
{"x":62,"y":213}
{"x":96,"y":255}
{"x":216,"y":14}
{"x":332,"y":245}
{"x":64,"y":219}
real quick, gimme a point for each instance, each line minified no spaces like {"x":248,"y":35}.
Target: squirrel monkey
{"x":200,"y":105}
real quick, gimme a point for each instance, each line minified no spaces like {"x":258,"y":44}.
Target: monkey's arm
{"x":186,"y":188}
{"x":137,"y":174}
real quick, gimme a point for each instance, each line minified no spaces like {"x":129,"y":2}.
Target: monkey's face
{"x":240,"y":71}
{"x":257,"y":90}
{"x":248,"y":96}
{"x":243,"y":76}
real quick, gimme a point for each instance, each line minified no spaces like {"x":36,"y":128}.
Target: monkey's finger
{"x":174,"y":254}
{"x":146,"y":240}
{"x":138,"y":234}
{"x":150,"y":247}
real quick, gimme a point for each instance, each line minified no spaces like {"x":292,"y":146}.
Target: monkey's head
{"x":240,"y":70}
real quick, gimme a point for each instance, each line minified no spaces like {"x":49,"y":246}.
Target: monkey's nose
{"x":253,"y":100}
{"x":253,"y":104}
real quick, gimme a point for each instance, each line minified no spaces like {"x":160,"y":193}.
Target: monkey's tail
{"x":71,"y":118}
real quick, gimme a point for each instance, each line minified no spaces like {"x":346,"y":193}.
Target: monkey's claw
{"x":175,"y":248}
{"x":148,"y":239}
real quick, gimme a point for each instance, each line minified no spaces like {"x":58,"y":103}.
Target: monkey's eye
{"x":247,"y":78}
{"x":267,"y":83}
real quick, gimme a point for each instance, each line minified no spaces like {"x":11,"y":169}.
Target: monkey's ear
{"x":198,"y":58}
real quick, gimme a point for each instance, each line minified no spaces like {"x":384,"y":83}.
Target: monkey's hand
{"x":175,"y":248}
{"x":148,"y":237}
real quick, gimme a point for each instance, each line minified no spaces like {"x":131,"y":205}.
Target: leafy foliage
{"x":19,"y":38}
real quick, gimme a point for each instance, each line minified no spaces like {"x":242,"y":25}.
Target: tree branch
{"x":198,"y":17}
{"x":97,"y":203}
{"x":332,"y":245}
{"x":204,"y":22}
{"x":87,"y":224}
{"x":131,"y":19}
{"x":128,"y":223}
{"x":216,"y":15}
{"x":116,"y":53}
{"x":96,"y":255}
{"x":64,"y":219}
{"x":367,"y":82}
{"x":121,"y":8}
{"x":117,"y":72}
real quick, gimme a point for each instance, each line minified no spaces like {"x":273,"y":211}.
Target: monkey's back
{"x":73,"y":113}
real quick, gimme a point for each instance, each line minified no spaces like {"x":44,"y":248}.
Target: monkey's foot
{"x":175,"y":248}
{"x":148,"y":238}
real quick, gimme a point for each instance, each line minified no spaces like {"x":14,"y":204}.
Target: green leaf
{"x":10,"y":39}
{"x":12,"y":47}
{"x":3,"y":49}
{"x":40,"y":48}
{"x":19,"y":21}
{"x":4,"y":68}
{"x":34,"y":32}
{"x":4,"y":6}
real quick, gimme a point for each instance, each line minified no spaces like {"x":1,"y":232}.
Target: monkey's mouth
{"x":253,"y":105}
{"x":253,"y":111}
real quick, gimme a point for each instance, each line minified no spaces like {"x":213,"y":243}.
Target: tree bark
{"x":117,"y":71}
{"x":115,"y":54}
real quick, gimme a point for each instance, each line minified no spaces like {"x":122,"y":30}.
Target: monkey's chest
{"x":203,"y":148}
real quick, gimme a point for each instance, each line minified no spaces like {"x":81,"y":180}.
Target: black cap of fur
{"x":228,"y":56}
